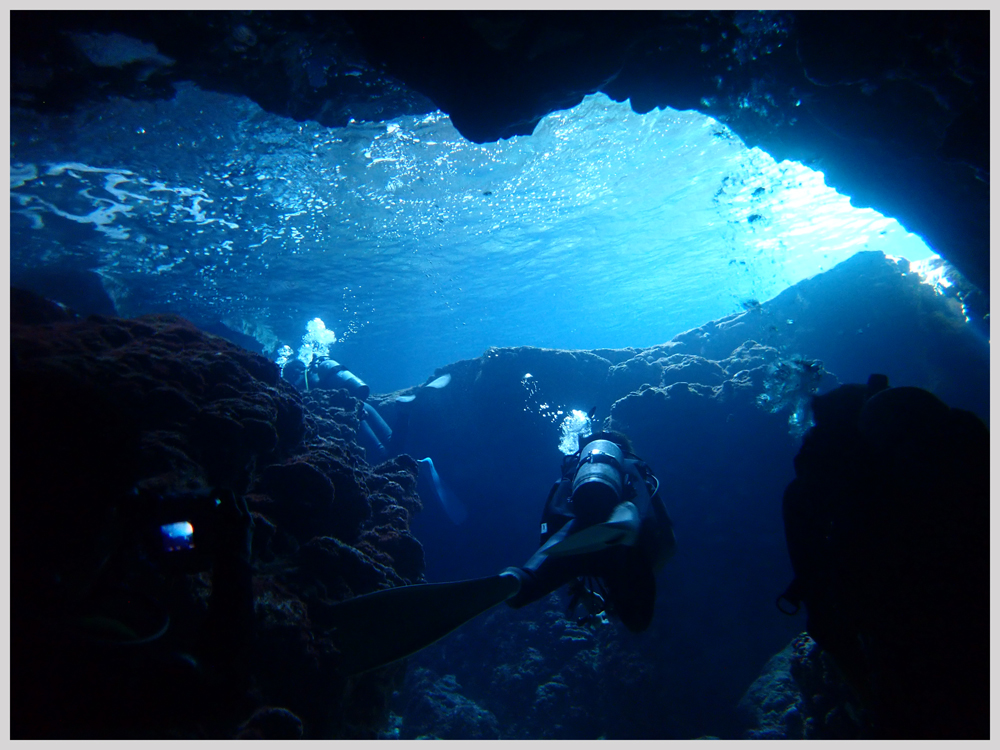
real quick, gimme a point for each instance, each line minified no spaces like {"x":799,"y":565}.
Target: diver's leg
{"x":378,"y":425}
{"x":376,"y":452}
{"x":542,"y":574}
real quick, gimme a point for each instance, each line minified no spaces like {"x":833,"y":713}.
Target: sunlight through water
{"x":604,"y":228}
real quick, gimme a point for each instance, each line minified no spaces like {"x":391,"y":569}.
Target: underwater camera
{"x":182,"y":529}
{"x":599,"y":481}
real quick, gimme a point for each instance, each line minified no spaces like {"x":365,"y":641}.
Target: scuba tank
{"x":328,"y":373}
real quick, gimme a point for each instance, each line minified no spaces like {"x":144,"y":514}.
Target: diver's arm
{"x":659,"y":508}
{"x":641,"y":471}
{"x":660,"y":512}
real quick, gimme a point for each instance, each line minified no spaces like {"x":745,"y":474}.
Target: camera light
{"x":177,"y":536}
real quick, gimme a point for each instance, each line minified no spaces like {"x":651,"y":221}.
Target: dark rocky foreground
{"x":104,"y":405}
{"x":800,"y":694}
{"x":892,"y":107}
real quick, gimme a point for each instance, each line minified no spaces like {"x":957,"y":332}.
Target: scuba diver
{"x":887,"y":527}
{"x":605,"y":531}
{"x":379,"y":440}
{"x":592,"y":526}
{"x":326,"y":373}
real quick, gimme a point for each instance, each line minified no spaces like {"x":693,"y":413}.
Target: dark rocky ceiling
{"x":892,"y":106}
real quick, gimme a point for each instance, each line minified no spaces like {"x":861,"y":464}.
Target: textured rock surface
{"x":541,"y":678}
{"x":801,"y":696}
{"x":103,"y":405}
{"x":438,"y":710}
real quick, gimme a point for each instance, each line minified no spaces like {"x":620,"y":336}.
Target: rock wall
{"x":801,"y":695}
{"x":105,"y":406}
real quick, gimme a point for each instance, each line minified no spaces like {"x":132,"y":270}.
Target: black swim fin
{"x":622,"y":527}
{"x":376,"y":629}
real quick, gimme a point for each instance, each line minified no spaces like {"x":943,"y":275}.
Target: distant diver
{"x":379,"y":441}
{"x":604,"y":519}
{"x":888,"y":529}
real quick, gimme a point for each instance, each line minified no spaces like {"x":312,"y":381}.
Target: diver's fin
{"x":621,"y":528}
{"x":437,"y":384}
{"x":449,"y":501}
{"x":440,"y":382}
{"x":376,"y":629}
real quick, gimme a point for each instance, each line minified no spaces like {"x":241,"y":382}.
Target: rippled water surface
{"x":603,"y":229}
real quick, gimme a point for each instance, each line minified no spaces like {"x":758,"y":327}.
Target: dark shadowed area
{"x":755,"y":243}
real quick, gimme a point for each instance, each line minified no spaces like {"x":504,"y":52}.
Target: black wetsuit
{"x":626,"y":571}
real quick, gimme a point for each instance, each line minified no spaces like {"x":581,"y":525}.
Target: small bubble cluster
{"x":790,"y":384}
{"x":533,"y":403}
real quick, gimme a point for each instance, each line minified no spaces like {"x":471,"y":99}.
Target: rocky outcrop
{"x":111,"y":415}
{"x":801,"y":696}
{"x":544,"y":676}
{"x":437,"y":709}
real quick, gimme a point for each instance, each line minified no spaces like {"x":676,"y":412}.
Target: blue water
{"x":417,"y":248}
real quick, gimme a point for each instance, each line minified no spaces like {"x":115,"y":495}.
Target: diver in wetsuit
{"x":603,"y":519}
{"x":323,"y":372}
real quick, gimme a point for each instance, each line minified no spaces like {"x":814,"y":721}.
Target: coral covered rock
{"x":801,"y":695}
{"x":438,"y":710}
{"x":114,"y":420}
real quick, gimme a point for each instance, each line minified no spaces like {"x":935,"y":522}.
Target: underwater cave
{"x":687,"y":225}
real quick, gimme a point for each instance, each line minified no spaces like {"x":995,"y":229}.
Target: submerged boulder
{"x":800,"y":695}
